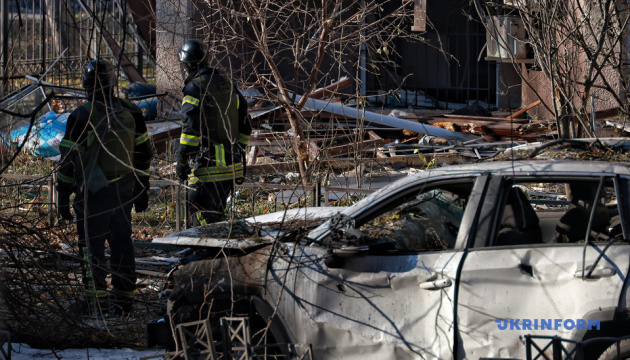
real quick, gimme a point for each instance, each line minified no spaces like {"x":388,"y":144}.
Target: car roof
{"x":517,"y":167}
{"x":530,"y":167}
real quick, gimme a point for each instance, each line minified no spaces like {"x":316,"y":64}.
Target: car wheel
{"x":270,"y":337}
{"x":611,"y":352}
{"x":262,"y":336}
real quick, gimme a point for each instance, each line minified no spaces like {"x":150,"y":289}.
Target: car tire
{"x":611,"y":352}
{"x":274,"y":333}
{"x":260,"y":333}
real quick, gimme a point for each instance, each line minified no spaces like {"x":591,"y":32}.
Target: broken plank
{"x":502,"y":130}
{"x":601,"y":114}
{"x":331,"y":89}
{"x":607,"y":113}
{"x":163,"y":131}
{"x":252,"y":155}
{"x":523,"y":110}
{"x":351,"y":147}
{"x":469,"y":118}
{"x":374,"y":136}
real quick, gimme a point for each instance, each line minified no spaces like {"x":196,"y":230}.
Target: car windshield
{"x":428,"y":221}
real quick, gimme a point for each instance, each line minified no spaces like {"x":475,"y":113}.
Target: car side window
{"x":557,"y":212}
{"x":427,"y":221}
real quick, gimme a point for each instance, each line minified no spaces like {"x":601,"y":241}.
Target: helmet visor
{"x":182,"y":55}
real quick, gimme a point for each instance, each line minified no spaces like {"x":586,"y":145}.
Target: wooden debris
{"x":523,"y":110}
{"x":447,"y":125}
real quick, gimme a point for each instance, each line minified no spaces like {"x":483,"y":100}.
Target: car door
{"x":508,"y":290}
{"x":393,"y":299}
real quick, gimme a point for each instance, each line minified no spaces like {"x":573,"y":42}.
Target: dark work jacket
{"x":75,"y":142}
{"x":216,"y":127}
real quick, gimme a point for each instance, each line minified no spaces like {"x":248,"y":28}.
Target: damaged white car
{"x":478,"y":261}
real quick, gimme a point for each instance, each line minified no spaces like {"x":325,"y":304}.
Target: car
{"x":477,"y":261}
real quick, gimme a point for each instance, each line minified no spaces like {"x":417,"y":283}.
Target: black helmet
{"x":192,"y":55}
{"x":99,"y":75}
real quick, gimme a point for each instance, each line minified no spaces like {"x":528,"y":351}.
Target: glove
{"x":63,"y":206}
{"x":182,"y":169}
{"x":141,"y":195}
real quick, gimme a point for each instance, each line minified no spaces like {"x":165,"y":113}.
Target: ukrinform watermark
{"x":547,"y":324}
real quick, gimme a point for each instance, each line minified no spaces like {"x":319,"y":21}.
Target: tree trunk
{"x":299,"y":142}
{"x":564,"y":121}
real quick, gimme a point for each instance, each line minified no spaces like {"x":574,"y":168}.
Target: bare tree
{"x":289,"y":47}
{"x":579,"y":47}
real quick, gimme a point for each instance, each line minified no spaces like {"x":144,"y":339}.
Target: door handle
{"x":597,"y":273}
{"x":436,"y":284}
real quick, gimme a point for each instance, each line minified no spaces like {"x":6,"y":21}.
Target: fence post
{"x":51,"y":199}
{"x":557,"y":348}
{"x":178,"y":208}
{"x":579,"y":351}
{"x":528,"y":347}
{"x":42,"y":46}
{"x":4,"y":24}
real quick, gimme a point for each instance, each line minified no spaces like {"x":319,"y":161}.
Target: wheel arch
{"x":277,"y":326}
{"x":612,"y":324}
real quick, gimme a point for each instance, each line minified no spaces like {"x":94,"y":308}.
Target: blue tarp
{"x":149,"y":105}
{"x":45,"y":136}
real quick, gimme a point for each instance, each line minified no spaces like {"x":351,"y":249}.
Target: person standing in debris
{"x":215,"y":132}
{"x":105,"y":160}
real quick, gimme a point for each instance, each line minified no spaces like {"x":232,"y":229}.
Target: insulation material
{"x":45,"y":136}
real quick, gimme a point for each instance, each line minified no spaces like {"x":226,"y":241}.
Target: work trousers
{"x":106,"y":216}
{"x":207,"y":201}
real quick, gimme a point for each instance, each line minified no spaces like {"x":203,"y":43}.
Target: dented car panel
{"x":355,"y":302}
{"x":533,"y":283}
{"x":386,"y":278}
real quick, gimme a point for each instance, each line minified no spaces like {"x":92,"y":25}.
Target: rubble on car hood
{"x":252,"y":232}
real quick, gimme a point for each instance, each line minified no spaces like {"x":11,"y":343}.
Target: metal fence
{"x":37,"y":33}
{"x":540,"y":347}
{"x":34,"y":197}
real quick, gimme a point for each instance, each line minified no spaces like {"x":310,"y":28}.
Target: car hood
{"x":251,"y":232}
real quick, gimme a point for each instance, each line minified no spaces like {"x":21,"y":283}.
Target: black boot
{"x":91,"y":307}
{"x":120,"y":304}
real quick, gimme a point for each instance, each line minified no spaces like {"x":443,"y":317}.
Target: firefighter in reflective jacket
{"x":105,"y":156}
{"x":215,"y":132}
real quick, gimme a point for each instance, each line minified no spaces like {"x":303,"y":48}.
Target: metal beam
{"x":143,"y":13}
{"x":372,"y":117}
{"x":123,"y":60}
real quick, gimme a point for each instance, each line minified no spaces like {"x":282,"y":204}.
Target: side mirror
{"x":337,"y":257}
{"x":351,"y":251}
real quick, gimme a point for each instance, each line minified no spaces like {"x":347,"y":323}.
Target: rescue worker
{"x":215,"y":132}
{"x":105,"y":159}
